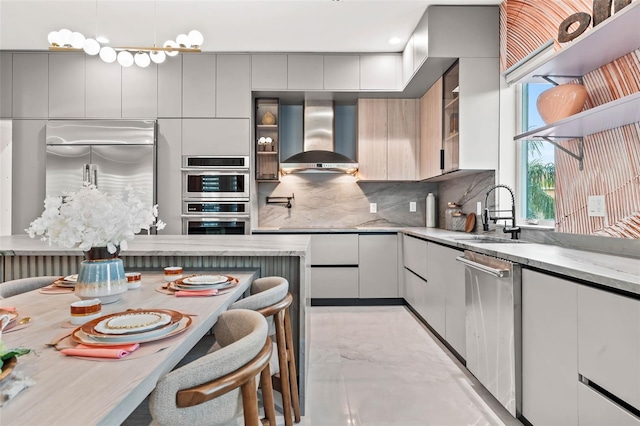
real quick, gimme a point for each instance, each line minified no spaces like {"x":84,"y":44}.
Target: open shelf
{"x":267,"y":153}
{"x":451,"y":136}
{"x":452,"y":103}
{"x":615,"y":37}
{"x":613,"y":114}
{"x":266,"y":126}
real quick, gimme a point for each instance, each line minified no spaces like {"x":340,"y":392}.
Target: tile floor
{"x":379,"y":366}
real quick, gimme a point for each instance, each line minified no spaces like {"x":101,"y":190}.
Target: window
{"x":537,"y":163}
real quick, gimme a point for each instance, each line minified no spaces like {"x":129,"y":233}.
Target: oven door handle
{"x":221,"y":171}
{"x":216,"y":218}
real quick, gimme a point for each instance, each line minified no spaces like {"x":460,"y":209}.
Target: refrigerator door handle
{"x":94,"y":174}
{"x":86,"y":176}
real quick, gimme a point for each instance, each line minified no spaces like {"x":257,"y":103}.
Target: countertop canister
{"x":431,"y":211}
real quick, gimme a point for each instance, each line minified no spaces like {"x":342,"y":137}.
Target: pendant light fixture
{"x":66,"y":40}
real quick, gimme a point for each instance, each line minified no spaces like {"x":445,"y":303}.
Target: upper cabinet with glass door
{"x":450,"y":117}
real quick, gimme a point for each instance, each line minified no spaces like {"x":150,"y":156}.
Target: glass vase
{"x":101,"y":276}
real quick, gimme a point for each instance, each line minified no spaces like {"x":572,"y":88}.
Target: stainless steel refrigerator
{"x":108,"y":153}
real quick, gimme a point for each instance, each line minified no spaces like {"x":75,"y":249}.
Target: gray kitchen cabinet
{"x":609,"y":342}
{"x":380,"y":72}
{"x":103,"y":89}
{"x":446,"y":276}
{"x":334,"y":266}
{"x":169,"y":191}
{"x":6,"y":83}
{"x":435,"y":296}
{"x":407,"y":61}
{"x":269,"y":71}
{"x":67,"y":74}
{"x":597,"y":410}
{"x":140,"y":91}
{"x":342,"y":72}
{"x":334,"y":283}
{"x":421,"y":41}
{"x":199,"y":85}
{"x":305,"y":72}
{"x":233,"y":86}
{"x":28,"y":173}
{"x":215,"y":136}
{"x":378,"y":266}
{"x":549,"y":349}
{"x":415,"y":292}
{"x":170,"y":88}
{"x":415,"y":255}
{"x":30,"y":85}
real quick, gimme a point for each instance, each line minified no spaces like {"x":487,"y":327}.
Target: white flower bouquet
{"x":91,"y":218}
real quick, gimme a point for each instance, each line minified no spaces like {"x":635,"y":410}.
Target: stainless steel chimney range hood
{"x":319,"y":154}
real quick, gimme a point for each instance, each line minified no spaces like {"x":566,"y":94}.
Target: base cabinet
{"x":596,"y":410}
{"x":549,"y":349}
{"x":378,"y":266}
{"x":334,"y":283}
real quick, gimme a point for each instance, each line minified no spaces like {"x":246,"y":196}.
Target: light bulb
{"x":196,"y":38}
{"x":54,"y":38}
{"x":125,"y":58}
{"x":107,"y":54}
{"x":65,"y":37}
{"x":91,"y":47}
{"x":183,"y":40}
{"x":77,"y":40}
{"x":158,"y":56}
{"x":142,"y":59}
{"x":170,"y":43}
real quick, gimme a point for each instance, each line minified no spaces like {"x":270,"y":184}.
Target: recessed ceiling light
{"x":395,"y":40}
{"x":102,"y":40}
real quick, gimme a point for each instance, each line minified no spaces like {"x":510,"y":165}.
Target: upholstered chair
{"x":270,"y":296}
{"x":220,"y":387}
{"x":23,"y":285}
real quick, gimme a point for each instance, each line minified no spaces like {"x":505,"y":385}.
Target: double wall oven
{"x":215,"y":195}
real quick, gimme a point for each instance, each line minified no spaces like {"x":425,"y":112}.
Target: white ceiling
{"x":227,"y":25}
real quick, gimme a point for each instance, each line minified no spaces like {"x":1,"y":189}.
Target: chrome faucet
{"x":486,"y":216}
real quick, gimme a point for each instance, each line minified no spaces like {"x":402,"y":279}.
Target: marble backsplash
{"x":339,"y":201}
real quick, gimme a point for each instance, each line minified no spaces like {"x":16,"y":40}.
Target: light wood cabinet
{"x":549,"y":349}
{"x":140,"y":92}
{"x":267,"y":138}
{"x":30,"y":85}
{"x":103,"y":89}
{"x":402,"y":125}
{"x":378,"y":266}
{"x":269,"y":72}
{"x":342,"y":72}
{"x":233,"y":86}
{"x":609,"y":342}
{"x":199,"y":85}
{"x":305,"y":72}
{"x":430,"y":131}
{"x":67,"y":85}
{"x":387,"y":139}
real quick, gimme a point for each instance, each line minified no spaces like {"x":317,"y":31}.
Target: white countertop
{"x":174,"y":245}
{"x":611,"y":271}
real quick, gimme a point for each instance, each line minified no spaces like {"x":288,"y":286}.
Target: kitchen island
{"x":282,"y":255}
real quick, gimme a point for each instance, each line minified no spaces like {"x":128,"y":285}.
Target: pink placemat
{"x":54,"y":289}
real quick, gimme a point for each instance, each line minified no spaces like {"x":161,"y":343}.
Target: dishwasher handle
{"x":500,"y":273}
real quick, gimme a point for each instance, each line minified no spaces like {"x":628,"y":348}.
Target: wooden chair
{"x":205,"y":391}
{"x":23,"y":285}
{"x":270,"y":297}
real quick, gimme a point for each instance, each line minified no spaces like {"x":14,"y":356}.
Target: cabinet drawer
{"x":334,"y":283}
{"x":378,"y":265}
{"x":596,"y":410}
{"x":609,"y":342}
{"x":415,"y":255}
{"x":334,"y":249}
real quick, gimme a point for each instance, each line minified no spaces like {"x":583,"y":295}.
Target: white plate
{"x":205,"y":279}
{"x":135,"y":322}
{"x":220,"y":286}
{"x":80,"y":336}
{"x":71,"y":278}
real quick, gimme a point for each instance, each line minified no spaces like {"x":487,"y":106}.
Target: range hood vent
{"x":319,"y":153}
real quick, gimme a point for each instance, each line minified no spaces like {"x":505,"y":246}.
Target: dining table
{"x":71,"y":390}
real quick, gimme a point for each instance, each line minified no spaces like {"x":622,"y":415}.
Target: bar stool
{"x":205,"y":391}
{"x":270,"y":296}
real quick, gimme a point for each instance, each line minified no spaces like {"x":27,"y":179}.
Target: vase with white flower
{"x":100,"y":224}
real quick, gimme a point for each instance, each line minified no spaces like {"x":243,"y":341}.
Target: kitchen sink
{"x":479,"y":239}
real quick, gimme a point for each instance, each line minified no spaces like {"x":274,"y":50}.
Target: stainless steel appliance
{"x":215,"y":218}
{"x":108,"y":153}
{"x":215,"y":178}
{"x":493,"y":325}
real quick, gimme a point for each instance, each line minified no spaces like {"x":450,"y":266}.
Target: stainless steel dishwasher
{"x":493,"y":325}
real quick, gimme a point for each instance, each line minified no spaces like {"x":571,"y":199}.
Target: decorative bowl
{"x":561,"y":101}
